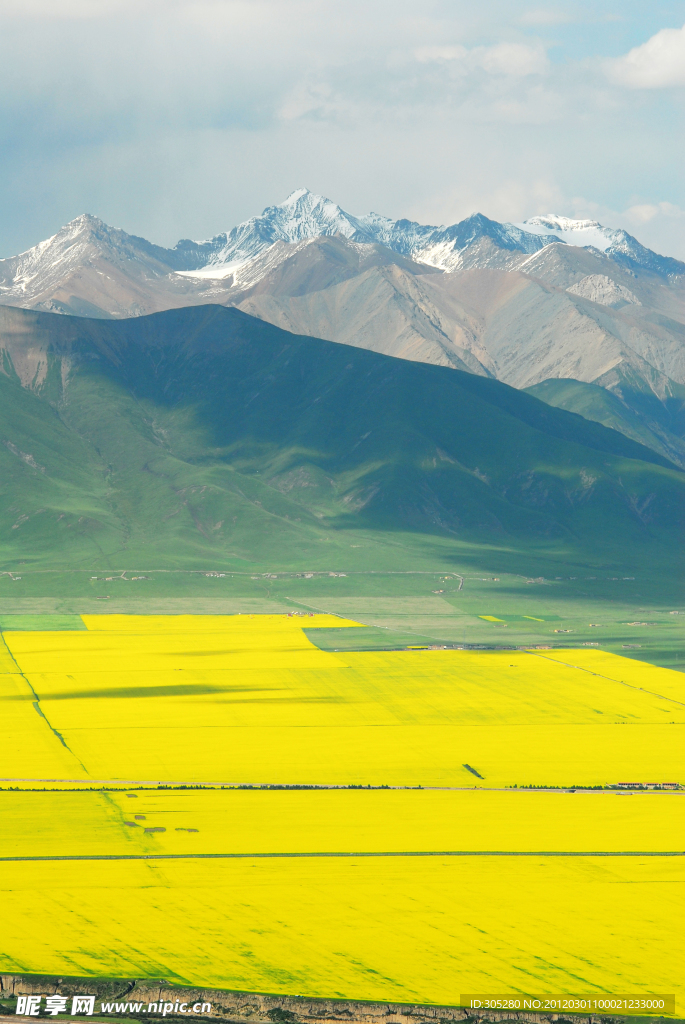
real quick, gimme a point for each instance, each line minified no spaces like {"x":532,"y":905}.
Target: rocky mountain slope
{"x":205,"y":434}
{"x":91,"y":269}
{"x":522,"y":328}
{"x":549,"y":298}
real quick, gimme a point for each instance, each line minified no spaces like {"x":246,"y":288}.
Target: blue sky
{"x":179,"y":118}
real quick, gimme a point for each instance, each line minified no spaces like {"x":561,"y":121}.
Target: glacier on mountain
{"x":613,"y":242}
{"x":573,"y":232}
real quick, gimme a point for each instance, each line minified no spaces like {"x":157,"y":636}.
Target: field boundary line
{"x":119,"y":785}
{"x":385,"y":853}
{"x":36,"y":704}
{"x":375,"y":625}
{"x":621,"y":682}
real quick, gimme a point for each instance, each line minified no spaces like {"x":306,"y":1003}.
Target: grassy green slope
{"x":649,"y":422}
{"x":53,"y":484}
{"x":203,"y":433}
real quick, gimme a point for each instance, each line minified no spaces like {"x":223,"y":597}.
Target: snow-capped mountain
{"x":305,"y":215}
{"x":93,"y":269}
{"x":614,"y":242}
{"x":301,"y":216}
{"x":476,"y":241}
{"x":548,"y":298}
{"x":574,"y":232}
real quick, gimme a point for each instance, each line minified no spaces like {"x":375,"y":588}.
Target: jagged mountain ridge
{"x":520,"y":328}
{"x":304,"y":215}
{"x":659,"y":425}
{"x":89,"y":268}
{"x":518,"y":302}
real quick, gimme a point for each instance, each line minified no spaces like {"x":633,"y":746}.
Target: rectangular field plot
{"x":235,"y":821}
{"x":249,"y":699}
{"x":649,"y":678}
{"x":400,"y":929}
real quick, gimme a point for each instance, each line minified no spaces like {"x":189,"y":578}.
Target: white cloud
{"x":656,"y":64}
{"x":643,"y":213}
{"x":64,"y":9}
{"x":515,"y":59}
{"x":546,"y":16}
{"x":426,"y":54}
{"x":126,"y":108}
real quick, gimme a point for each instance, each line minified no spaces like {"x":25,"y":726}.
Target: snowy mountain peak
{"x":299,"y":193}
{"x":84,"y":245}
{"x":84,"y":224}
{"x":305,"y":214}
{"x":302,"y":215}
{"x":552,"y":222}
{"x":573,"y":232}
{"x":302,"y":201}
{"x":613,"y":242}
{"x":86,"y":220}
{"x":66,"y":244}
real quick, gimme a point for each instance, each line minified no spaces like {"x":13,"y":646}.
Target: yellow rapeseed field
{"x":249,"y":699}
{"x":29,"y":748}
{"x":332,"y":820}
{"x":405,"y":929}
{"x":633,"y":673}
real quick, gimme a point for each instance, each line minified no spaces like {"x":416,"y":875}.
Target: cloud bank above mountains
{"x":180,"y":118}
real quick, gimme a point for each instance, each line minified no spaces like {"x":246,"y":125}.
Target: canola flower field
{"x":399,"y":929}
{"x":402,"y":894}
{"x":249,"y":699}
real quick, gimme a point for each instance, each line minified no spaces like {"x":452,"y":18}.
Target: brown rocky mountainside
{"x":478,"y":299}
{"x":565,"y":313}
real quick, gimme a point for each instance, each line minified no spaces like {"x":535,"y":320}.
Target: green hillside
{"x":658,"y":425}
{"x":204,"y":434}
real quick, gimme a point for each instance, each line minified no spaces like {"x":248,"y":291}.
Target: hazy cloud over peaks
{"x":181,"y":118}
